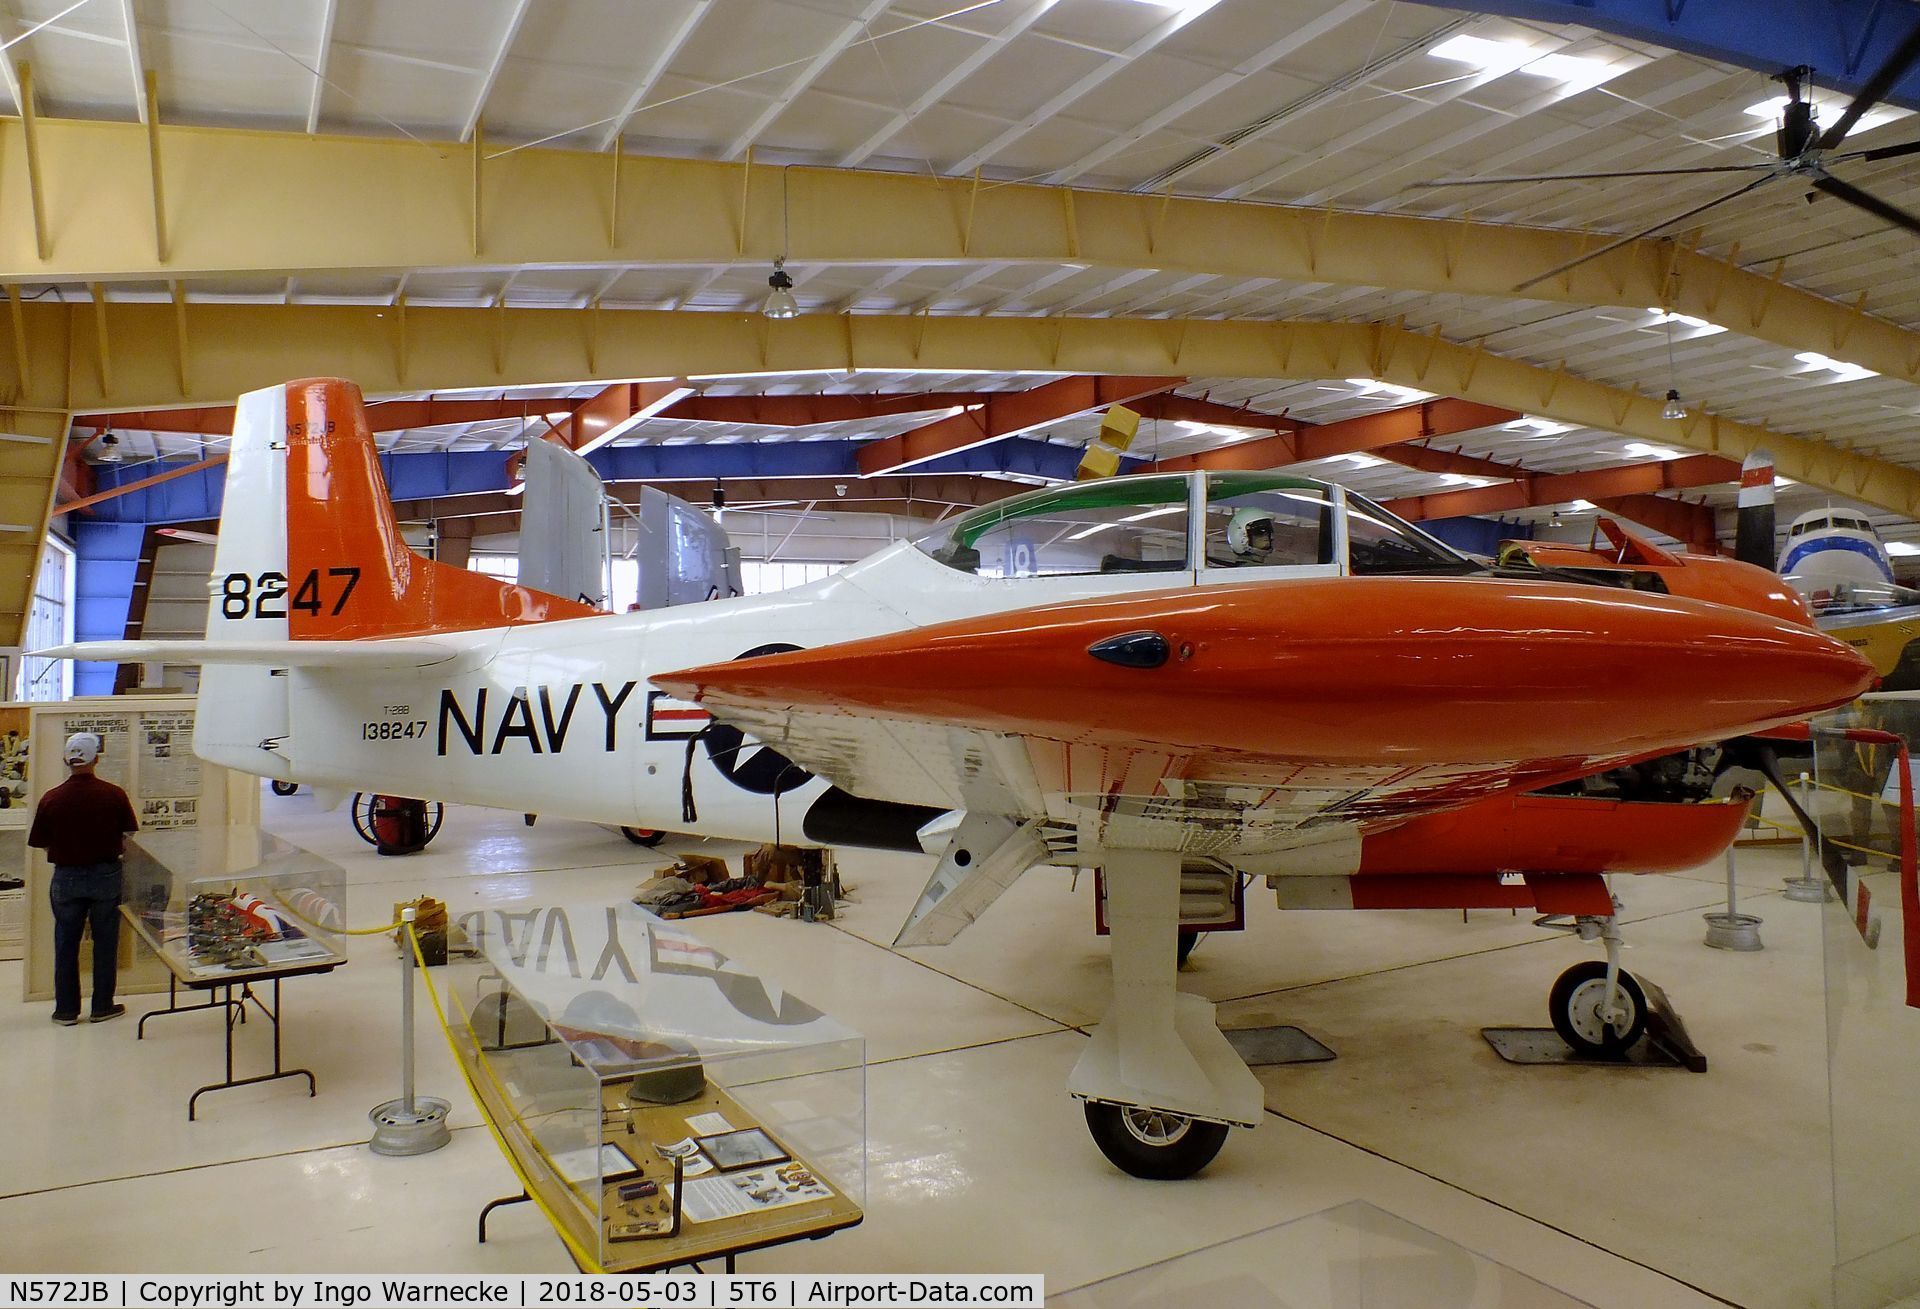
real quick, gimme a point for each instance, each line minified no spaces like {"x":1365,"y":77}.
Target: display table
{"x":660,"y":1105}
{"x":183,"y":972}
{"x":264,"y":914}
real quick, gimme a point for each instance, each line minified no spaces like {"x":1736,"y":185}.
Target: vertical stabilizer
{"x":309,"y":549}
{"x":349,"y":574}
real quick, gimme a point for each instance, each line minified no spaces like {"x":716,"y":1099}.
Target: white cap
{"x":82,"y":749}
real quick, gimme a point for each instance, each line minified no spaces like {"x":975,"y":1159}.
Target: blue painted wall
{"x":106,"y":557}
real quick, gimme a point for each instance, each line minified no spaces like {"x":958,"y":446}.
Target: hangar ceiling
{"x":208,"y":186}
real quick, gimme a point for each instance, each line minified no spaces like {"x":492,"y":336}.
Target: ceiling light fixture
{"x":1555,"y":520}
{"x":109,"y":449}
{"x":1673,"y":411}
{"x":780,"y":302}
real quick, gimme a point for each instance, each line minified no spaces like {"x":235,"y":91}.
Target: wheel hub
{"x":1587,"y":1011}
{"x":1155,"y":1127}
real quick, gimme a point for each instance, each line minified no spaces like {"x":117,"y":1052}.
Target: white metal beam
{"x":669,"y":48}
{"x":1186,"y":104}
{"x":492,"y":71}
{"x":959,"y":73}
{"x":137,"y":67}
{"x":324,"y":44}
{"x":1099,"y":76}
{"x":809,"y":73}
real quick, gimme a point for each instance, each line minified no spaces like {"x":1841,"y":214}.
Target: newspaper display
{"x":169,"y":770}
{"x":115,"y":731}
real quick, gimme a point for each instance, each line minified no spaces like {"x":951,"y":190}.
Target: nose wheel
{"x":1585,"y":1019}
{"x":1156,"y":1144}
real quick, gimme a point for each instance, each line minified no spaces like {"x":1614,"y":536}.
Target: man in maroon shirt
{"x":82,"y":824}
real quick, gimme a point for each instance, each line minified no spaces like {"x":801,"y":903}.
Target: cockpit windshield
{"x":1140,"y":524}
{"x":1379,"y":543}
{"x":1118,"y":525}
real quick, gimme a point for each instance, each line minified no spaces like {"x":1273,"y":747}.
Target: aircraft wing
{"x":367,"y":655}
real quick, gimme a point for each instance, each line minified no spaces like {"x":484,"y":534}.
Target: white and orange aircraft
{"x":1250,"y":672}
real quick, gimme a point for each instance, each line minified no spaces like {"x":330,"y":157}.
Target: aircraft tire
{"x":285,"y":788}
{"x":1148,"y":1143}
{"x":1575,"y":1007}
{"x":645,"y":836}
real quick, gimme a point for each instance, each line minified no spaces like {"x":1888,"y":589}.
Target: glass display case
{"x":1860,"y":803}
{"x":227,"y":901}
{"x":661,"y":1103}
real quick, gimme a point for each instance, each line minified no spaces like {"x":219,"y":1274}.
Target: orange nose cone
{"x":1354,"y":670}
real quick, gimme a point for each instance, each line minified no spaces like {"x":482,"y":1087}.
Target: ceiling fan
{"x":1805,"y":152}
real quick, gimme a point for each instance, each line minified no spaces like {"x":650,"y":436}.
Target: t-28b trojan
{"x":1250,"y":672}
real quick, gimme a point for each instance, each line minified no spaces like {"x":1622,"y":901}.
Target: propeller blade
{"x":1883,"y":80}
{"x":1753,"y":536}
{"x":1884,"y":152}
{"x":1576,"y":177}
{"x":1629,"y":239}
{"x":1859,"y":199}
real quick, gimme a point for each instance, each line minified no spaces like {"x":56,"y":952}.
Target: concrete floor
{"x":1612,"y":1187}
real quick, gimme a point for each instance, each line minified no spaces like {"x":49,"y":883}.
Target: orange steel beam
{"x":1442,"y":416}
{"x":1595,"y":484}
{"x":387,"y":416}
{"x":594,"y":421}
{"x":1004,"y":415}
{"x":406,"y":415}
{"x":805,"y":410}
{"x":1178,"y":408}
{"x":140,"y":485}
{"x":1694,"y":524}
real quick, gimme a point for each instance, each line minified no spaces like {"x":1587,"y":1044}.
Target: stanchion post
{"x":409,"y":1125}
{"x":1730,"y":929}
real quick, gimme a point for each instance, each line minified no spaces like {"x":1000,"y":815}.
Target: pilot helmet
{"x":1250,"y":531}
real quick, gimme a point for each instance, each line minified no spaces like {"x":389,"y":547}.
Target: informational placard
{"x":147,"y":751}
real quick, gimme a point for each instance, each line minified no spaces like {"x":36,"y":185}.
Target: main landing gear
{"x":1598,"y":1008}
{"x":1162,"y":1085}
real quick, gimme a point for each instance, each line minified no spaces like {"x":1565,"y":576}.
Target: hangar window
{"x":1258,"y":520}
{"x":1117,"y":525}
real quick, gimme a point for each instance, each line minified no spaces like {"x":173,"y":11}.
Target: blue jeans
{"x":85,"y":896}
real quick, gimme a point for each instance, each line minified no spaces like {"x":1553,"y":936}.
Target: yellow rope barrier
{"x":1834,"y":841}
{"x":586,"y":1261}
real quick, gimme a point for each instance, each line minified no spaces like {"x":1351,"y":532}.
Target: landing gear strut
{"x":1162,"y":1085}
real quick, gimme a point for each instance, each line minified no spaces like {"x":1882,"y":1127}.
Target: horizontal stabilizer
{"x":407,"y":652}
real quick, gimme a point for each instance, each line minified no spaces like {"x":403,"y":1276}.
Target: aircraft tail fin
{"x":309,"y":548}
{"x":309,"y":562}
